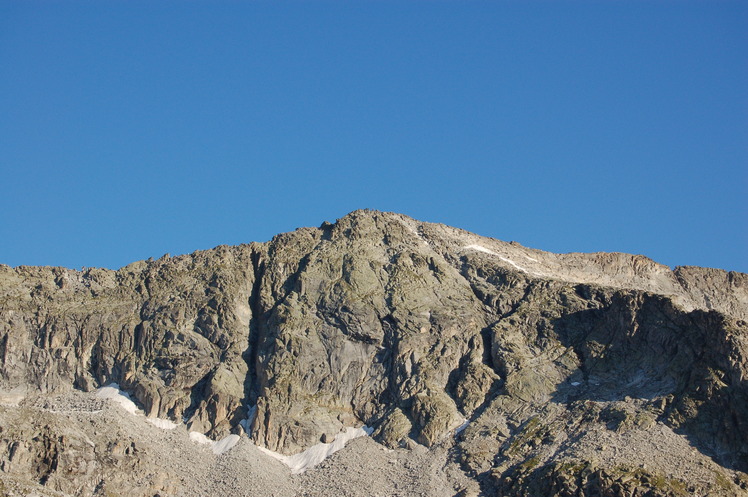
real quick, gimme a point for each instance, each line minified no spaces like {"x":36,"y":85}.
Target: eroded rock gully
{"x":577,"y":374}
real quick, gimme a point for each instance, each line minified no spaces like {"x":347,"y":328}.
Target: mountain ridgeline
{"x":545,"y":374}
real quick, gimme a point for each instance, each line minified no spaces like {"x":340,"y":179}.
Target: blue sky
{"x":133,"y":129}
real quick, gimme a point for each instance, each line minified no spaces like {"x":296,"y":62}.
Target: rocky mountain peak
{"x":540,"y":362}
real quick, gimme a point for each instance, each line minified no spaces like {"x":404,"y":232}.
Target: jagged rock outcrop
{"x":171,"y":331}
{"x":411,"y":328}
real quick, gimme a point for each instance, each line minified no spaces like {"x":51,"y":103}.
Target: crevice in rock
{"x":49,"y":458}
{"x":137,"y":336}
{"x":479,"y":295}
{"x":292,"y":282}
{"x":386,"y":356}
{"x":516,"y":305}
{"x":4,"y":349}
{"x":493,"y":300}
{"x":197,"y":394}
{"x":487,"y":356}
{"x":251,"y":382}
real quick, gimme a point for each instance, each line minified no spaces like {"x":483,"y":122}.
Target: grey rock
{"x":404,"y":326}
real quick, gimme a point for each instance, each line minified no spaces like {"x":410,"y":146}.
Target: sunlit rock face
{"x":412,"y":329}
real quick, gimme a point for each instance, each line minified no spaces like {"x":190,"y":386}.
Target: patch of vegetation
{"x":529,"y":464}
{"x":642,"y":478}
{"x":723,"y":481}
{"x":571,"y":467}
{"x":531,"y":433}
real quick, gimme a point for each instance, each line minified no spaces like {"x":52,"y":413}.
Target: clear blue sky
{"x":129,"y":130}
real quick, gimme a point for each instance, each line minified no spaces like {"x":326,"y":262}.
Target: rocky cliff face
{"x":570,"y":370}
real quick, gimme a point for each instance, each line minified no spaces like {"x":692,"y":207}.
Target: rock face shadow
{"x":686,"y":369}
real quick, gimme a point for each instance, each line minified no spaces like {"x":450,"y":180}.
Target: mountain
{"x":478,"y":367}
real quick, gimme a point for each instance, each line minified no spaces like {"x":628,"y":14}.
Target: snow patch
{"x":220,"y":447}
{"x":224,"y":444}
{"x":575,"y":383}
{"x":514,"y":264}
{"x":481,"y":248}
{"x":317,"y":453}
{"x":113,"y":392}
{"x":164,"y":424}
{"x":198,"y":437}
{"x":462,"y":427}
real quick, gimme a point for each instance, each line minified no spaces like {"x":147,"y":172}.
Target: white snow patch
{"x":224,"y":444}
{"x":513,"y":264}
{"x":462,"y":427}
{"x":219,"y":447}
{"x":122,"y":398}
{"x":481,"y":248}
{"x":198,"y":437}
{"x":317,"y":453}
{"x":530,"y":258}
{"x":113,"y":392}
{"x":164,"y":424}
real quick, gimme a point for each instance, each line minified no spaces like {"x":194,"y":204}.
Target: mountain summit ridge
{"x":410,"y":328}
